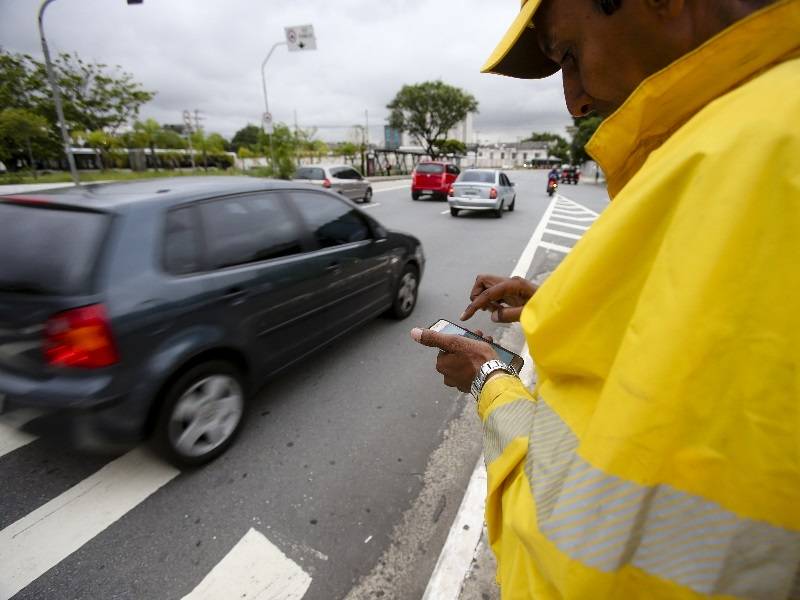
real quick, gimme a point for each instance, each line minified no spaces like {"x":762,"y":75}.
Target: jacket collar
{"x":667,"y":99}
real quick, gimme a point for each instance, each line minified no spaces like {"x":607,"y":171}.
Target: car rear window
{"x":430,"y":168}
{"x":48,"y":250}
{"x":477,"y":177}
{"x":309,"y":173}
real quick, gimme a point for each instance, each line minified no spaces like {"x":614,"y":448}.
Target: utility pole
{"x":187,"y":123}
{"x":199,"y":129}
{"x":57,"y":97}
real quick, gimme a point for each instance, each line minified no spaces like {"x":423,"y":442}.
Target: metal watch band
{"x":490,"y":366}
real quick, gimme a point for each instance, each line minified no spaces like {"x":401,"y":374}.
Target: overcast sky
{"x":206,"y":54}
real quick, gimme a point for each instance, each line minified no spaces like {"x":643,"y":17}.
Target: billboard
{"x":392,"y":138}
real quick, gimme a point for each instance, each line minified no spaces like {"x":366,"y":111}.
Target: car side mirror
{"x":512,"y":183}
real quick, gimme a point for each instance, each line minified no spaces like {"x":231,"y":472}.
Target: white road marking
{"x":370,"y":205}
{"x":571,"y":225}
{"x":11,"y":437}
{"x":581,"y":206}
{"x":574,"y":218}
{"x":464,"y":535}
{"x":556,"y":247}
{"x":254,"y":569}
{"x":563,"y":234}
{"x":526,"y":258}
{"x":40,"y":540}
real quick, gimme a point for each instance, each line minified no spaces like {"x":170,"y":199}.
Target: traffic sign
{"x":268,"y":125}
{"x":300,"y":37}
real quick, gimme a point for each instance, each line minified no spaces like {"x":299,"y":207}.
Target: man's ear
{"x":667,"y":8}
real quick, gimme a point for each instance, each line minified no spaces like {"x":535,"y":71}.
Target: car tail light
{"x":493,"y":194}
{"x":451,"y":192}
{"x":80,"y":338}
{"x":326,"y":183}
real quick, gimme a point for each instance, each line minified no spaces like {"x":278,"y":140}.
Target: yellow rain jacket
{"x":660,"y":454}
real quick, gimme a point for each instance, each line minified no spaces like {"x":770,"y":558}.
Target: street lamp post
{"x":57,"y":93}
{"x":298,"y":38}
{"x":267,"y":116}
{"x":57,"y":97}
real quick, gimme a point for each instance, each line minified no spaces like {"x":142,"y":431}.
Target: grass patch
{"x":112,"y":175}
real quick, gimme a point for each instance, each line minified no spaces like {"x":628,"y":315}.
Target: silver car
{"x":343,"y":179}
{"x":482,"y":189}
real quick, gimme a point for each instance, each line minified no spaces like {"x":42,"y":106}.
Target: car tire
{"x":367,"y":196}
{"x":209,"y":396}
{"x":499,"y":212}
{"x":511,"y":206}
{"x":453,"y":212}
{"x":415,"y":195}
{"x":405,"y":295}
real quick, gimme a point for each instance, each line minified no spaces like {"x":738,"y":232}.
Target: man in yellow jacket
{"x":659,"y":456}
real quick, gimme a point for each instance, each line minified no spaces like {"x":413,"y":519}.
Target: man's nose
{"x":579,"y":103}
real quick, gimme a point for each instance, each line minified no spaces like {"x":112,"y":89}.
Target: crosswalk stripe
{"x":11,"y":437}
{"x":254,"y":569}
{"x":43,"y":538}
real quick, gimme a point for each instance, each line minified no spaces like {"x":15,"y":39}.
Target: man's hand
{"x":504,"y":296}
{"x":459,"y":358}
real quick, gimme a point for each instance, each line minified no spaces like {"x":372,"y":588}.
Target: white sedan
{"x":482,"y":189}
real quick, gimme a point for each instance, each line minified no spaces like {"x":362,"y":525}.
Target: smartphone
{"x":508,"y":357}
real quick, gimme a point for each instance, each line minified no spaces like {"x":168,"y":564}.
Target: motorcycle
{"x":552,"y":186}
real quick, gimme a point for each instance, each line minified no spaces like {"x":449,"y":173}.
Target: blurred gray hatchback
{"x":159,"y":307}
{"x":342,"y":179}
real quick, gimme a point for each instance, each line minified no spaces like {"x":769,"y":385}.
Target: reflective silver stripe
{"x":606,"y":522}
{"x":504,"y":424}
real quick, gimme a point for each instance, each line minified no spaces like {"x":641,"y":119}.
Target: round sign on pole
{"x":268,"y":126}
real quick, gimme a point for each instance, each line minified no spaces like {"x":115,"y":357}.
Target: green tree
{"x":248,"y":137}
{"x":586,"y":126}
{"x":146,"y":134}
{"x":429,"y":110}
{"x":454,"y":147}
{"x":557,"y":145}
{"x":101,"y":142}
{"x":283,"y":144}
{"x":22,"y":134}
{"x":94,"y":96}
{"x":349,"y":150}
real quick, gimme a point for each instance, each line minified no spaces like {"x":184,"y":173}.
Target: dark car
{"x":156,"y":308}
{"x":570,"y":174}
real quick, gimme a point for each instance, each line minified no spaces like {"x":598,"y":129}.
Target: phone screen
{"x":452,"y":329}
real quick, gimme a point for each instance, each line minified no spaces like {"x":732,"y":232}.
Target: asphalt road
{"x":352,"y":465}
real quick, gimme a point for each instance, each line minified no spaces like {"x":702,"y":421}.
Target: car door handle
{"x":334,"y":267}
{"x":234,"y":295}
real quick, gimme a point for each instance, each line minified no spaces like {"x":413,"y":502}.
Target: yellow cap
{"x":518,"y":53}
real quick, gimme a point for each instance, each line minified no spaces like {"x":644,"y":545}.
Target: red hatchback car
{"x":433,"y":178}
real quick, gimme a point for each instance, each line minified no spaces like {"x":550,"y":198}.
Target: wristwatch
{"x":490,"y":366}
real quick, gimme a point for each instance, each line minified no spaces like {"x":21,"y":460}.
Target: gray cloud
{"x":207,"y":55}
